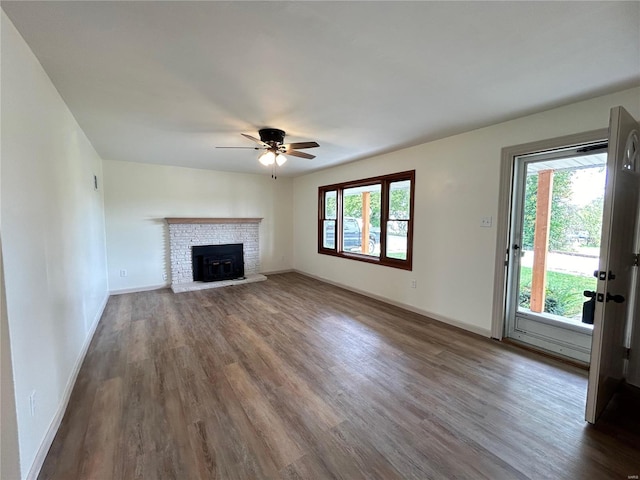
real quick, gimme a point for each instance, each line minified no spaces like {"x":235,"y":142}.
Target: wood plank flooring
{"x":297,"y":379}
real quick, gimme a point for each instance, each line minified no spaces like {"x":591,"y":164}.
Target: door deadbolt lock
{"x":602,"y":275}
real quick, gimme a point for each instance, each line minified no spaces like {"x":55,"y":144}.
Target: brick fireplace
{"x":185,"y":233}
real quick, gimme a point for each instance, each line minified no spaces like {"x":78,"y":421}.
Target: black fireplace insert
{"x":213,"y":263}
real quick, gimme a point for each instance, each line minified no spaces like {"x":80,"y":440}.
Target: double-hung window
{"x":370,"y":220}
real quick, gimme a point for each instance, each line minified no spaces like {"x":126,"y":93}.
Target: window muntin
{"x":373,"y":218}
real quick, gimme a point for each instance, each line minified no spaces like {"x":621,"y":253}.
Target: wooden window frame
{"x":385,"y":182}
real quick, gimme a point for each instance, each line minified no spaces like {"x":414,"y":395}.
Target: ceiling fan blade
{"x":295,"y":153}
{"x":299,"y":145}
{"x":251,"y":148}
{"x":254,"y":139}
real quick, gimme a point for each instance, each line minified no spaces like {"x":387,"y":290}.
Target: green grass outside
{"x":563,"y":290}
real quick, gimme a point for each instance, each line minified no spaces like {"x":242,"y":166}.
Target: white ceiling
{"x":166,"y":82}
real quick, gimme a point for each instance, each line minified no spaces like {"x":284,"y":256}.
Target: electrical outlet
{"x":164,"y":277}
{"x":486,"y":222}
{"x":32,"y":403}
{"x":414,"y":283}
{"x":123,"y":273}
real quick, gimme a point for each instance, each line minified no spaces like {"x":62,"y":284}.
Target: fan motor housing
{"x":271,"y":135}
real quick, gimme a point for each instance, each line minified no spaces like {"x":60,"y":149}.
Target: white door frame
{"x":509,"y":155}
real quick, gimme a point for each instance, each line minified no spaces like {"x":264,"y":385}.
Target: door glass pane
{"x":361,"y":220}
{"x":399,"y":213}
{"x":562,"y":222}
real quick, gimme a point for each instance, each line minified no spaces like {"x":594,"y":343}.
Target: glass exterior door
{"x":557,"y":211}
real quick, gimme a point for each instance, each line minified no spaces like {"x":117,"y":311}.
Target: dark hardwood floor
{"x":293,"y":378}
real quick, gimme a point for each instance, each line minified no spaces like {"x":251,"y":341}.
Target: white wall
{"x":456,"y":184}
{"x":139,"y":196}
{"x":53,"y":241}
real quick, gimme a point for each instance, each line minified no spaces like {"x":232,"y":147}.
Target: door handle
{"x":589,"y":307}
{"x":615,"y":298}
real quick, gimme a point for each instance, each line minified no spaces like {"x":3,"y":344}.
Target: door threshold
{"x":545,"y":353}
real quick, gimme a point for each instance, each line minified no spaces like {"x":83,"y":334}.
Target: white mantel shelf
{"x":185,"y":221}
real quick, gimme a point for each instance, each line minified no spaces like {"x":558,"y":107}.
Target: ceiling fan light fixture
{"x":271,"y":142}
{"x":267,"y":158}
{"x":280,"y":159}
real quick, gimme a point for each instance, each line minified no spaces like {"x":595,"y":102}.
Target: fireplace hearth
{"x":213,"y":263}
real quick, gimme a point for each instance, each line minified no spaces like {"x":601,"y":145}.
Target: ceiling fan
{"x":272,"y":142}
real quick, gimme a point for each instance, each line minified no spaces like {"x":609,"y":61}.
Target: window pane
{"x":361,"y":220}
{"x":397,"y":239}
{"x":329,"y":234}
{"x":330,"y":205}
{"x":399,"y":200}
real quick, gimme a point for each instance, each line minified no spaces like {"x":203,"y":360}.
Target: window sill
{"x":359,"y":257}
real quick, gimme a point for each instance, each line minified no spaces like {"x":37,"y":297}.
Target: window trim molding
{"x":384,"y":181}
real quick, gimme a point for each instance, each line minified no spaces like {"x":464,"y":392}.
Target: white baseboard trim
{"x":276,"y":272}
{"x":47,"y":440}
{"x":147,"y":288}
{"x":485,"y":332}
